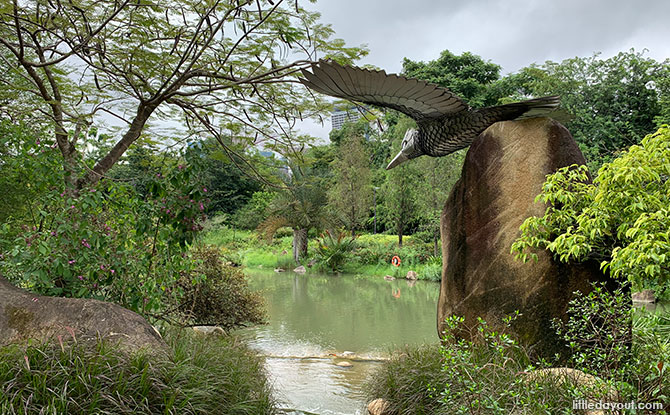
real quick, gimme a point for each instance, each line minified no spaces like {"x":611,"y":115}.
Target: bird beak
{"x":400,"y":158}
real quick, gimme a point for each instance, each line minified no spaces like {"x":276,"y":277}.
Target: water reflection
{"x":315,"y":319}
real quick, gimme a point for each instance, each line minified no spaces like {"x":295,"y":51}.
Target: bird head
{"x":410,"y":149}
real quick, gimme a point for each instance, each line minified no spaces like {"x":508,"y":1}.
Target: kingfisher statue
{"x":445,"y":123}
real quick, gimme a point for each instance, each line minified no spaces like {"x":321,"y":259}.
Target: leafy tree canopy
{"x":621,"y":219}
{"x":615,"y":102}
{"x":468,"y":76}
{"x":220,"y":68}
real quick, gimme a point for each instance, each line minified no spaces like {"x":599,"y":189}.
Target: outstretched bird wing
{"x":418,"y":99}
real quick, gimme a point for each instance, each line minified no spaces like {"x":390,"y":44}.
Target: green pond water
{"x":317,"y":321}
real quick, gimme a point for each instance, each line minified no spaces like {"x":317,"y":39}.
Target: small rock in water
{"x":343,"y":364}
{"x":279,"y":270}
{"x":348,"y":354}
{"x":388,"y":278}
{"x":300,"y":270}
{"x":411,"y":275}
{"x":209,"y":330}
{"x":378,"y":407}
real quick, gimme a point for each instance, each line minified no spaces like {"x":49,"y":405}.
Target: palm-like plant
{"x":333,"y":252}
{"x":301,"y":206}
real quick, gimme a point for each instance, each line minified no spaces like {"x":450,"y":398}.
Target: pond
{"x":317,"y":321}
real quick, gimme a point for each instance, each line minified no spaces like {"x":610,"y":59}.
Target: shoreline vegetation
{"x":370,"y":255}
{"x":494,"y":373}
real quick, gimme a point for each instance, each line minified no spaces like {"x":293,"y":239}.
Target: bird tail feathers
{"x":543,"y":107}
{"x":538,"y":107}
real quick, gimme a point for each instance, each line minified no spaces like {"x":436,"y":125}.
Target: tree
{"x":439,"y":176}
{"x":621,"y":219}
{"x":615,"y":102}
{"x":400,"y":190}
{"x":219,"y":67}
{"x":25,"y":162}
{"x":301,"y":205}
{"x":468,"y":76}
{"x":351,"y":193}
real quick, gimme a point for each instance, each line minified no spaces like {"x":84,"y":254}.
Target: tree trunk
{"x":400,"y":229}
{"x":144,"y":111}
{"x":299,"y":243}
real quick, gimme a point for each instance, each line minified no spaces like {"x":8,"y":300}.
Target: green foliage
{"x":400,"y":191}
{"x":219,"y":67}
{"x":229,"y":186}
{"x":651,"y":348}
{"x":254,"y":211}
{"x":404,"y":381}
{"x":439,"y":176}
{"x":621,"y":219}
{"x":615,"y":102}
{"x":218,"y":294}
{"x":431,"y":272}
{"x":607,"y":340}
{"x":106,"y":241}
{"x":599,"y":333}
{"x":493,"y":374}
{"x":333,"y":253}
{"x":27,"y":159}
{"x":300,"y":205}
{"x":487,"y":375}
{"x":468,"y":76}
{"x":204,"y":375}
{"x":350,"y":196}
{"x":379,"y":249}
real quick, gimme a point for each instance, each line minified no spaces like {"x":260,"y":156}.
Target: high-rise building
{"x":341,"y":115}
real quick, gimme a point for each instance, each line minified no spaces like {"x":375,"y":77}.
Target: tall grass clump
{"x":202,"y":375}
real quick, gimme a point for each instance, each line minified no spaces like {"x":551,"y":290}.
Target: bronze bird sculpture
{"x":445,"y":123}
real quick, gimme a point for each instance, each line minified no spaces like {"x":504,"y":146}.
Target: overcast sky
{"x":511,"y":33}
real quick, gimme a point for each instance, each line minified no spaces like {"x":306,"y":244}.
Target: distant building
{"x":342,"y":115}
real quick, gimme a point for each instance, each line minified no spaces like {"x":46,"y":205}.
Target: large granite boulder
{"x":25,"y":316}
{"x":503,"y":173}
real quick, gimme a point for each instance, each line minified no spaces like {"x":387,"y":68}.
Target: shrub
{"x":431,"y":272}
{"x":204,"y":375}
{"x":483,"y":376}
{"x":218,"y":294}
{"x":620,"y":220}
{"x":379,"y":249}
{"x":332,"y":253}
{"x":598,"y":332}
{"x":606,"y":342}
{"x":254,"y":211}
{"x":107,"y":241}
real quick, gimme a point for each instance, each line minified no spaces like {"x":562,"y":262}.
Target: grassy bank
{"x":370,"y":256}
{"x":204,"y":375}
{"x":494,"y":374}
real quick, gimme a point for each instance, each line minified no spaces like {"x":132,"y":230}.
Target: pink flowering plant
{"x":109,"y":241}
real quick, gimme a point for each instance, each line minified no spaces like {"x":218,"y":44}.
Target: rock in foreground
{"x":24,"y":316}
